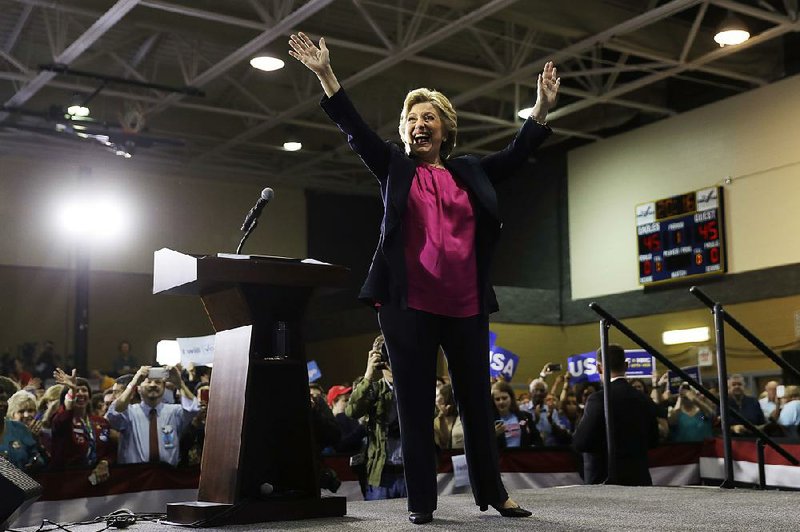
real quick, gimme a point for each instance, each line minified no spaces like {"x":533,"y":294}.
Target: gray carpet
{"x":570,"y":508}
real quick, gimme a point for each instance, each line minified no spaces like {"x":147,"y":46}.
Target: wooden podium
{"x":258,"y":427}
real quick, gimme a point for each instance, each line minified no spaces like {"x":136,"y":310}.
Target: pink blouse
{"x":439,"y":230}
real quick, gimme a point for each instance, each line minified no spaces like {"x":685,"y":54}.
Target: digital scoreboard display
{"x":681,"y":237}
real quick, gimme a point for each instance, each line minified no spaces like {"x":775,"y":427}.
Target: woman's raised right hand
{"x":317,"y":59}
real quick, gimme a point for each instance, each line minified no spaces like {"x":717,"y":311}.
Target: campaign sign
{"x":198,"y":350}
{"x":676,"y":380}
{"x":640,"y":363}
{"x":502,"y":362}
{"x":314,"y":374}
{"x":460,"y":471}
{"x":583,"y":368}
{"x":492,"y":339}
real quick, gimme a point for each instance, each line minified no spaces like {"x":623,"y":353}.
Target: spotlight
{"x":78,"y":110}
{"x":77,"y":107}
{"x":266,"y":63}
{"x":732,"y":31}
{"x":292,"y":145}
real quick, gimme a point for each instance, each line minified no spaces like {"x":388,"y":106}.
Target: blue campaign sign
{"x":314,"y":374}
{"x":502,"y":362}
{"x":640,"y":363}
{"x":492,"y":339}
{"x":676,"y":380}
{"x":583,"y":368}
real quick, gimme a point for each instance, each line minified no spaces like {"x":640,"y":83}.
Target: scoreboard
{"x":681,"y":237}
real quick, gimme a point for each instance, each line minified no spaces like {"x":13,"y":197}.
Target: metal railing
{"x":606,"y":322}
{"x":721,"y":317}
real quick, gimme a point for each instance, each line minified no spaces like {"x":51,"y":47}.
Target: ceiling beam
{"x":246,"y":51}
{"x":529,"y":71}
{"x":482,"y":12}
{"x":719,"y":53}
{"x":87,"y":39}
{"x":13,"y":35}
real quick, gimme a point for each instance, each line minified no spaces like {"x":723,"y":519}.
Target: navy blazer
{"x":386,"y":281}
{"x":635,"y":431}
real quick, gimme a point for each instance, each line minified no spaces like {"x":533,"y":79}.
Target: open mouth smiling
{"x":422,"y":139}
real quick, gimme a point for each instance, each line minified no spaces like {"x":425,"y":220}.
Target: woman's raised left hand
{"x":547,"y":86}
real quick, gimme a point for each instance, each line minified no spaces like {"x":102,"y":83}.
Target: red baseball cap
{"x":336,"y":391}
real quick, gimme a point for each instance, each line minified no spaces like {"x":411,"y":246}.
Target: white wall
{"x":752,"y":137}
{"x":184,"y":213}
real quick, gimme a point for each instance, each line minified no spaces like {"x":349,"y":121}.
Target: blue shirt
{"x":790,"y":416}
{"x":134,"y":430}
{"x":18,"y":445}
{"x":691,"y":428}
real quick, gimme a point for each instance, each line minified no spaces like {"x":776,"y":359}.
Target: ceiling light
{"x":78,"y":110}
{"x":525,"y":113}
{"x":266,"y":63}
{"x":292,"y":146}
{"x":732,"y":31}
{"x":685,"y":336}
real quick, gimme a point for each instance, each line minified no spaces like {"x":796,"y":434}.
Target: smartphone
{"x":204,"y":394}
{"x":780,"y":391}
{"x":157,"y":373}
{"x":554,"y":367}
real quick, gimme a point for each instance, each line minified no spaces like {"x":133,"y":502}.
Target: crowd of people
{"x":55,"y":419}
{"x":157,"y":415}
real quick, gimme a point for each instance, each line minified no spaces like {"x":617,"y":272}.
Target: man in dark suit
{"x":635,"y":429}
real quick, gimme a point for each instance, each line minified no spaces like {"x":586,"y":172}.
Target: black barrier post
{"x":722,"y":376}
{"x":614,"y":322}
{"x":611,"y":446}
{"x":750,"y":337}
{"x":762,"y":473}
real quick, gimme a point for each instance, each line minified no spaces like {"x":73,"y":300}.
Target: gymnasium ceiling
{"x":623,"y":64}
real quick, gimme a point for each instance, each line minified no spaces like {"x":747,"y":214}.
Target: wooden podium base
{"x":256,"y":511}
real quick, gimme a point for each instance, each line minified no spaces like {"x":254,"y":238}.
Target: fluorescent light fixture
{"x":266,"y":63}
{"x":78,"y":110}
{"x":168,"y":353}
{"x":685,"y":336}
{"x":732,"y":31}
{"x":525,"y":113}
{"x":292,"y":146}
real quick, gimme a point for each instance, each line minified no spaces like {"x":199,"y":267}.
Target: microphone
{"x":266,"y":195}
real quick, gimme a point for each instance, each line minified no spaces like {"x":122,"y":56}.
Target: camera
{"x":554,"y":367}
{"x":157,"y":373}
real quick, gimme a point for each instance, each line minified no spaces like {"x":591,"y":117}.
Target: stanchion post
{"x":762,"y":470}
{"x":722,"y":376}
{"x":610,"y":445}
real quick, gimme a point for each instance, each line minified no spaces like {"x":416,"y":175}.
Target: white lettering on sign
{"x":678,"y":273}
{"x":705,"y":215}
{"x":648,"y":228}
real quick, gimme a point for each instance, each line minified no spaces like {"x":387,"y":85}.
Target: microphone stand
{"x":246,"y":234}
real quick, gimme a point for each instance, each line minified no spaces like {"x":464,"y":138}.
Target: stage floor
{"x":568,"y":508}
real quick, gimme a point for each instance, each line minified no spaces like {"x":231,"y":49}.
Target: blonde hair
{"x":446,"y":113}
{"x":791,"y":391}
{"x":19,"y":401}
{"x":51,"y":394}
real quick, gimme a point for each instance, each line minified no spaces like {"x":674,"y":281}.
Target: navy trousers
{"x":412,"y":340}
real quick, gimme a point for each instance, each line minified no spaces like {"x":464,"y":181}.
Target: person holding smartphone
{"x":512,"y":426}
{"x":150,"y":430}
